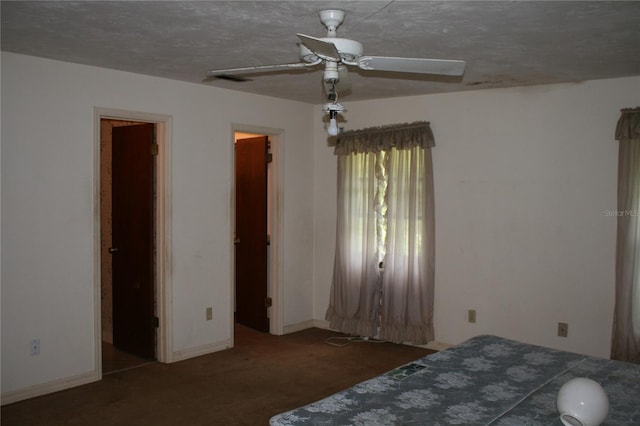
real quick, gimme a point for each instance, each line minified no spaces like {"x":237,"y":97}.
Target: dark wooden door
{"x":133,"y":239}
{"x":251,"y":233}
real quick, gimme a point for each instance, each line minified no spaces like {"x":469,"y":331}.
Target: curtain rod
{"x":390,"y":127}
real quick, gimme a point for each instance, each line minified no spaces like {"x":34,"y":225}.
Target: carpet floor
{"x":261,"y":376}
{"x":115,"y":360}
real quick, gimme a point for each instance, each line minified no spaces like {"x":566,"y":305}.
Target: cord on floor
{"x":350,"y":339}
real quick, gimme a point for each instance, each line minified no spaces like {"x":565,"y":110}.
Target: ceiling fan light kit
{"x":337,"y":54}
{"x":333,"y":109}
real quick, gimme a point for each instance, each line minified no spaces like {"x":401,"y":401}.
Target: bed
{"x":486,"y":380}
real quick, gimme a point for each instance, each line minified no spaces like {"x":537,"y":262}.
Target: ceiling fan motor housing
{"x":350,"y":50}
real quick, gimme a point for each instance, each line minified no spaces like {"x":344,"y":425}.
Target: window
{"x":385,"y":214}
{"x":626,"y":321}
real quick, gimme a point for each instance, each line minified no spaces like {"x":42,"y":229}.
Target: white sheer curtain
{"x":626,"y":322}
{"x":385,"y":213}
{"x":355,"y":293}
{"x":407,"y":314}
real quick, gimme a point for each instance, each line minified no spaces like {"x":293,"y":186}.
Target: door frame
{"x":276,"y":202}
{"x":164,"y":348}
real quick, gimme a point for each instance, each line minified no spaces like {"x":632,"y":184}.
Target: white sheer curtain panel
{"x":626,"y":321}
{"x":385,"y":214}
{"x":355,"y":294}
{"x":407,"y":302}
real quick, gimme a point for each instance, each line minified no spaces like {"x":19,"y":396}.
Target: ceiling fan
{"x":337,"y":54}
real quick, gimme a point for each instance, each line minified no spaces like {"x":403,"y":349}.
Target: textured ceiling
{"x":503,"y":43}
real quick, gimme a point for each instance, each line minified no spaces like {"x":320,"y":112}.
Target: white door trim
{"x":163,"y":219}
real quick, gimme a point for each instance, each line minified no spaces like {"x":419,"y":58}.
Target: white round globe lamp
{"x":582,"y":402}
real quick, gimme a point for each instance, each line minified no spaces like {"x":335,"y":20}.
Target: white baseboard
{"x":199,"y":351}
{"x":298,"y":326}
{"x":49,"y":387}
{"x":324,"y":324}
{"x":313,"y":323}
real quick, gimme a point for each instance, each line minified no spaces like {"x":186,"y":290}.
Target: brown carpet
{"x":261,"y":376}
{"x":114,"y":360}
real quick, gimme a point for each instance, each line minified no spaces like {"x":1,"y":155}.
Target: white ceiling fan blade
{"x":260,"y":68}
{"x":413,"y":65}
{"x":321,"y":48}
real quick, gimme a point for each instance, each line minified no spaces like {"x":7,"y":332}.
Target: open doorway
{"x":251,"y":232}
{"x":127,"y":243}
{"x":132,"y":327}
{"x":257,"y":227}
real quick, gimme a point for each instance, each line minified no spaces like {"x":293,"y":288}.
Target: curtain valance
{"x":383,"y":138}
{"x":628,"y":124}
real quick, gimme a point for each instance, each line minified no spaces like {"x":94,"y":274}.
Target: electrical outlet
{"x":34,"y":347}
{"x":471,"y":315}
{"x":563,"y":329}
{"x":209,"y":313}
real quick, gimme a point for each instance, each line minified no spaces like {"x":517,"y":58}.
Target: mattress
{"x":486,"y":380}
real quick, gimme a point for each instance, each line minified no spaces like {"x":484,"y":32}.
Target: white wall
{"x":48,"y":209}
{"x":523,"y":178}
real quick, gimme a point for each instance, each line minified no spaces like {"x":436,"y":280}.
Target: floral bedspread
{"x":486,"y":380}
